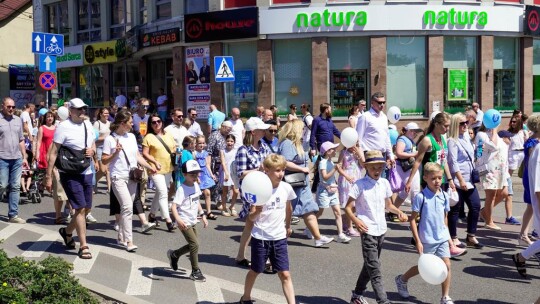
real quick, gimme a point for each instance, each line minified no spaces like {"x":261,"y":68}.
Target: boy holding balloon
{"x":269,"y":234}
{"x":431,"y":235}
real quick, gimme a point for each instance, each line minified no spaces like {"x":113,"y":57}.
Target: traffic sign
{"x":47,"y":81}
{"x":45,"y":43}
{"x":224,"y":68}
{"x":47,"y":63}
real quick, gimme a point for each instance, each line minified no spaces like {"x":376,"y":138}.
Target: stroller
{"x":35,"y":191}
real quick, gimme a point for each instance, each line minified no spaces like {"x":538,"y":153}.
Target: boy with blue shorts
{"x":272,"y":227}
{"x":431,"y":234}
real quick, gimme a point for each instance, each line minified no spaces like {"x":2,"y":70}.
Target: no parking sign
{"x":47,"y":81}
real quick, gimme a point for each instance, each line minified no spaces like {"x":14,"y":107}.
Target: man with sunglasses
{"x":372,"y":128}
{"x":195,"y":129}
{"x":270,"y":135}
{"x":176,"y":129}
{"x":140,"y":120}
{"x":12,"y":158}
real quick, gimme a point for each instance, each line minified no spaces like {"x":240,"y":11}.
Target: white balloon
{"x":432,"y":269}
{"x":393,"y":114}
{"x":256,"y":188}
{"x":349,"y":137}
{"x":63,"y":113}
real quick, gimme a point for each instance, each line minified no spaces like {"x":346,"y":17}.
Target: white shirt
{"x":270,"y":224}
{"x":306,"y":134}
{"x":103,"y":129}
{"x":195,"y":129}
{"x":178,"y":133}
{"x":118,"y":165}
{"x":238,"y":132}
{"x":162,"y":103}
{"x":137,"y":121}
{"x":370,"y":196}
{"x":187,"y":203}
{"x":25,"y":117}
{"x":479,"y":118}
{"x":373,"y":134}
{"x":120,"y":101}
{"x":534,"y":184}
{"x":71,"y":135}
{"x":517,"y":141}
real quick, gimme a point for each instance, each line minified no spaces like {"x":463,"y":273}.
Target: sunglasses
{"x":194,"y":114}
{"x":380,"y":102}
{"x":145,"y":107}
{"x":273,"y":131}
{"x":513,"y":121}
{"x":10,"y":107}
{"x":82,"y":109}
{"x":155,"y":122}
{"x":180,"y":116}
{"x":463,"y":123}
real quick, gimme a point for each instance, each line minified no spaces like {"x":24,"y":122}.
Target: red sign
{"x":222,"y":25}
{"x":160,"y":37}
{"x":47,"y":81}
{"x":531,"y":21}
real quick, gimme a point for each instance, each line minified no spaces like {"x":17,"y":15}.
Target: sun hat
{"x":255,"y":123}
{"x":374,"y":157}
{"x":327,"y":146}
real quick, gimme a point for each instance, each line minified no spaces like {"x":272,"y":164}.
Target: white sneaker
{"x":116,"y":227}
{"x":446,"y":300}
{"x":342,"y":238}
{"x":90,"y":218}
{"x":17,"y":220}
{"x":323,"y":241}
{"x":147,"y":227}
{"x":308,"y":234}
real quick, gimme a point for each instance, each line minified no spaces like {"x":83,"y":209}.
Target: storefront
{"x":531,"y":27}
{"x":72,"y":58}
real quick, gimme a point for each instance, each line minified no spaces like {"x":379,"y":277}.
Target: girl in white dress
{"x":225,"y":177}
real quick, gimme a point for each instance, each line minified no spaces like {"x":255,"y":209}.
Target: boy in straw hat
{"x":371,"y":195}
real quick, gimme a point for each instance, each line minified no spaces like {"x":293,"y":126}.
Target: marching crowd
{"x":439,"y":172}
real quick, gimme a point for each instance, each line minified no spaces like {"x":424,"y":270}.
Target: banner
{"x":198,"y":79}
{"x":458,"y":84}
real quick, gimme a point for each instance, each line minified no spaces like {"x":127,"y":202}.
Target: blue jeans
{"x":10,"y":183}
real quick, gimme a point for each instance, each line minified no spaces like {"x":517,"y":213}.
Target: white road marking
{"x":82,"y":266}
{"x":209,"y":291}
{"x":10,"y":230}
{"x":255,"y":293}
{"x":140,"y":281}
{"x":39,"y":247}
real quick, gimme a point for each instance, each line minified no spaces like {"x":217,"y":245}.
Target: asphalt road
{"x":320,"y":275}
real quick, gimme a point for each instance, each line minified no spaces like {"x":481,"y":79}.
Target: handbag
{"x":396,"y":182}
{"x":135,"y":173}
{"x":173,"y":155}
{"x":295,"y":179}
{"x":406,"y":163}
{"x":73,"y":161}
{"x":475,"y":175}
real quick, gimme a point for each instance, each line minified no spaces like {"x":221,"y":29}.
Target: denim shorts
{"x":276,"y":251}
{"x":325,"y":199}
{"x":99,"y":152}
{"x":78,"y":188}
{"x":441,"y":250}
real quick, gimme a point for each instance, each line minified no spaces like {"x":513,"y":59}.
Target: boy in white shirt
{"x":185,"y":208}
{"x":371,"y":195}
{"x":272,"y":227}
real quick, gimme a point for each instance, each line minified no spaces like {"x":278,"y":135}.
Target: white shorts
{"x":514,"y":159}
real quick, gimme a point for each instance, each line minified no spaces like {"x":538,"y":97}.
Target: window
{"x":143,"y":11}
{"x":505,"y":74}
{"x":536,"y":75}
{"x":89,"y":21}
{"x":195,"y":6}
{"x":406,"y":74}
{"x":125,"y":77}
{"x":459,"y":72}
{"x":58,"y":19}
{"x":163,"y":9}
{"x":91,"y":85}
{"x":239,"y":3}
{"x":118,"y":18}
{"x":242,"y":92}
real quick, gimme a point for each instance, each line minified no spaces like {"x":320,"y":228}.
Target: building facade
{"x":424,"y":55}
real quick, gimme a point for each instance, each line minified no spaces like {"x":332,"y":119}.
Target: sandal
{"x":233,"y":212}
{"x":65,"y":236}
{"x":520,"y":266}
{"x":244,"y":263}
{"x":211,"y":216}
{"x":225,"y":213}
{"x":84,"y":253}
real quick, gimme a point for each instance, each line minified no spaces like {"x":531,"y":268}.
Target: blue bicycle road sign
{"x":45,"y":43}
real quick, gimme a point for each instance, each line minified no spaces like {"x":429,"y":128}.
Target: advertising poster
{"x":244,"y":90}
{"x":458,"y":84}
{"x":198,"y":79}
{"x":21,"y":84}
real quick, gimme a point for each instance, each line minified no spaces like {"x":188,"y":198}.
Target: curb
{"x":110,"y":293}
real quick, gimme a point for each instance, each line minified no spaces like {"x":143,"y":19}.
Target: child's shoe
{"x":512,"y":221}
{"x":353,"y":232}
{"x":446,"y":300}
{"x":456,"y":252}
{"x":308,"y":234}
{"x":323,"y":241}
{"x":342,"y":238}
{"x":358,"y":299}
{"x":197,"y":276}
{"x":402,"y":287}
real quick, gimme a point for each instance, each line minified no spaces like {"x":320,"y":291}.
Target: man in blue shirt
{"x":215,"y":118}
{"x":323,"y":129}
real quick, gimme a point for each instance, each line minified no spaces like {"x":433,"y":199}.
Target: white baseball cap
{"x":77,"y":103}
{"x":255,"y":123}
{"x":191,"y":166}
{"x":413,"y":126}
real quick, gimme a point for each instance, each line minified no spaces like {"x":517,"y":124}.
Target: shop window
{"x":406,"y":74}
{"x":195,"y":6}
{"x":292,"y":69}
{"x":89,"y":21}
{"x":125,"y":77}
{"x":119,"y":18}
{"x":58,"y":19}
{"x":239,"y":3}
{"x":505,"y":74}
{"x":536,"y":75}
{"x":163,"y":9}
{"x":349,"y":65}
{"x":91,"y":85}
{"x":242,"y":93}
{"x":143,"y":11}
{"x":459,"y":72}
{"x":64,"y":83}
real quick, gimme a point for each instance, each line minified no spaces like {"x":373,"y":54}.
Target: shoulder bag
{"x":136,"y":173}
{"x":173,"y":155}
{"x":73,"y":161}
{"x":406,"y":163}
{"x":475,"y":175}
{"x":295,"y":179}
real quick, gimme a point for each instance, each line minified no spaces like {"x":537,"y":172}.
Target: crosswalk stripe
{"x":9,"y":231}
{"x":209,"y":291}
{"x":39,"y":247}
{"x":140,"y":282}
{"x":255,"y":293}
{"x":81,"y":266}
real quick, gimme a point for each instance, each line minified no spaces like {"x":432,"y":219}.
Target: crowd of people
{"x":438,"y":172}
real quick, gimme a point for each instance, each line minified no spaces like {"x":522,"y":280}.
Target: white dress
{"x":229,"y":158}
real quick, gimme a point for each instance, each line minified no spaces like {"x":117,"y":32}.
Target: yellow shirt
{"x":158,"y":151}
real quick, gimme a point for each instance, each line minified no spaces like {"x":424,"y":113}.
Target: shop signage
{"x":160,"y":37}
{"x":222,"y":25}
{"x":531,"y":21}
{"x":458,"y":84}
{"x":387,"y":18}
{"x":21,"y":77}
{"x":104,"y":52}
{"x":73,"y":57}
{"x":198,"y":79}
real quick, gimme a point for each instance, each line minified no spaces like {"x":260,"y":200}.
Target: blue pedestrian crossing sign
{"x":45,"y":43}
{"x":47,"y":63}
{"x":224,"y":68}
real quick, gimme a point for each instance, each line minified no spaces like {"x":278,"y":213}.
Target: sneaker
{"x":295,"y":220}
{"x":171,"y":226}
{"x":446,"y":300}
{"x":173,"y":260}
{"x":147,"y":227}
{"x":534,"y":235}
{"x":462,"y":220}
{"x":90,"y":219}
{"x":353,"y":232}
{"x":524,"y":240}
{"x":456,"y":252}
{"x":308,"y":234}
{"x":358,"y":299}
{"x":402,"y":287}
{"x":17,"y":220}
{"x":116,"y":227}
{"x":197,"y":276}
{"x":323,"y":241}
{"x":512,"y":221}
{"x":342,"y":238}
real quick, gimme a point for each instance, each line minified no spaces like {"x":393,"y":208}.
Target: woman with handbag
{"x":461,"y":164}
{"x":121,"y":153}
{"x":290,"y":147}
{"x":158,"y":147}
{"x":406,"y":153}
